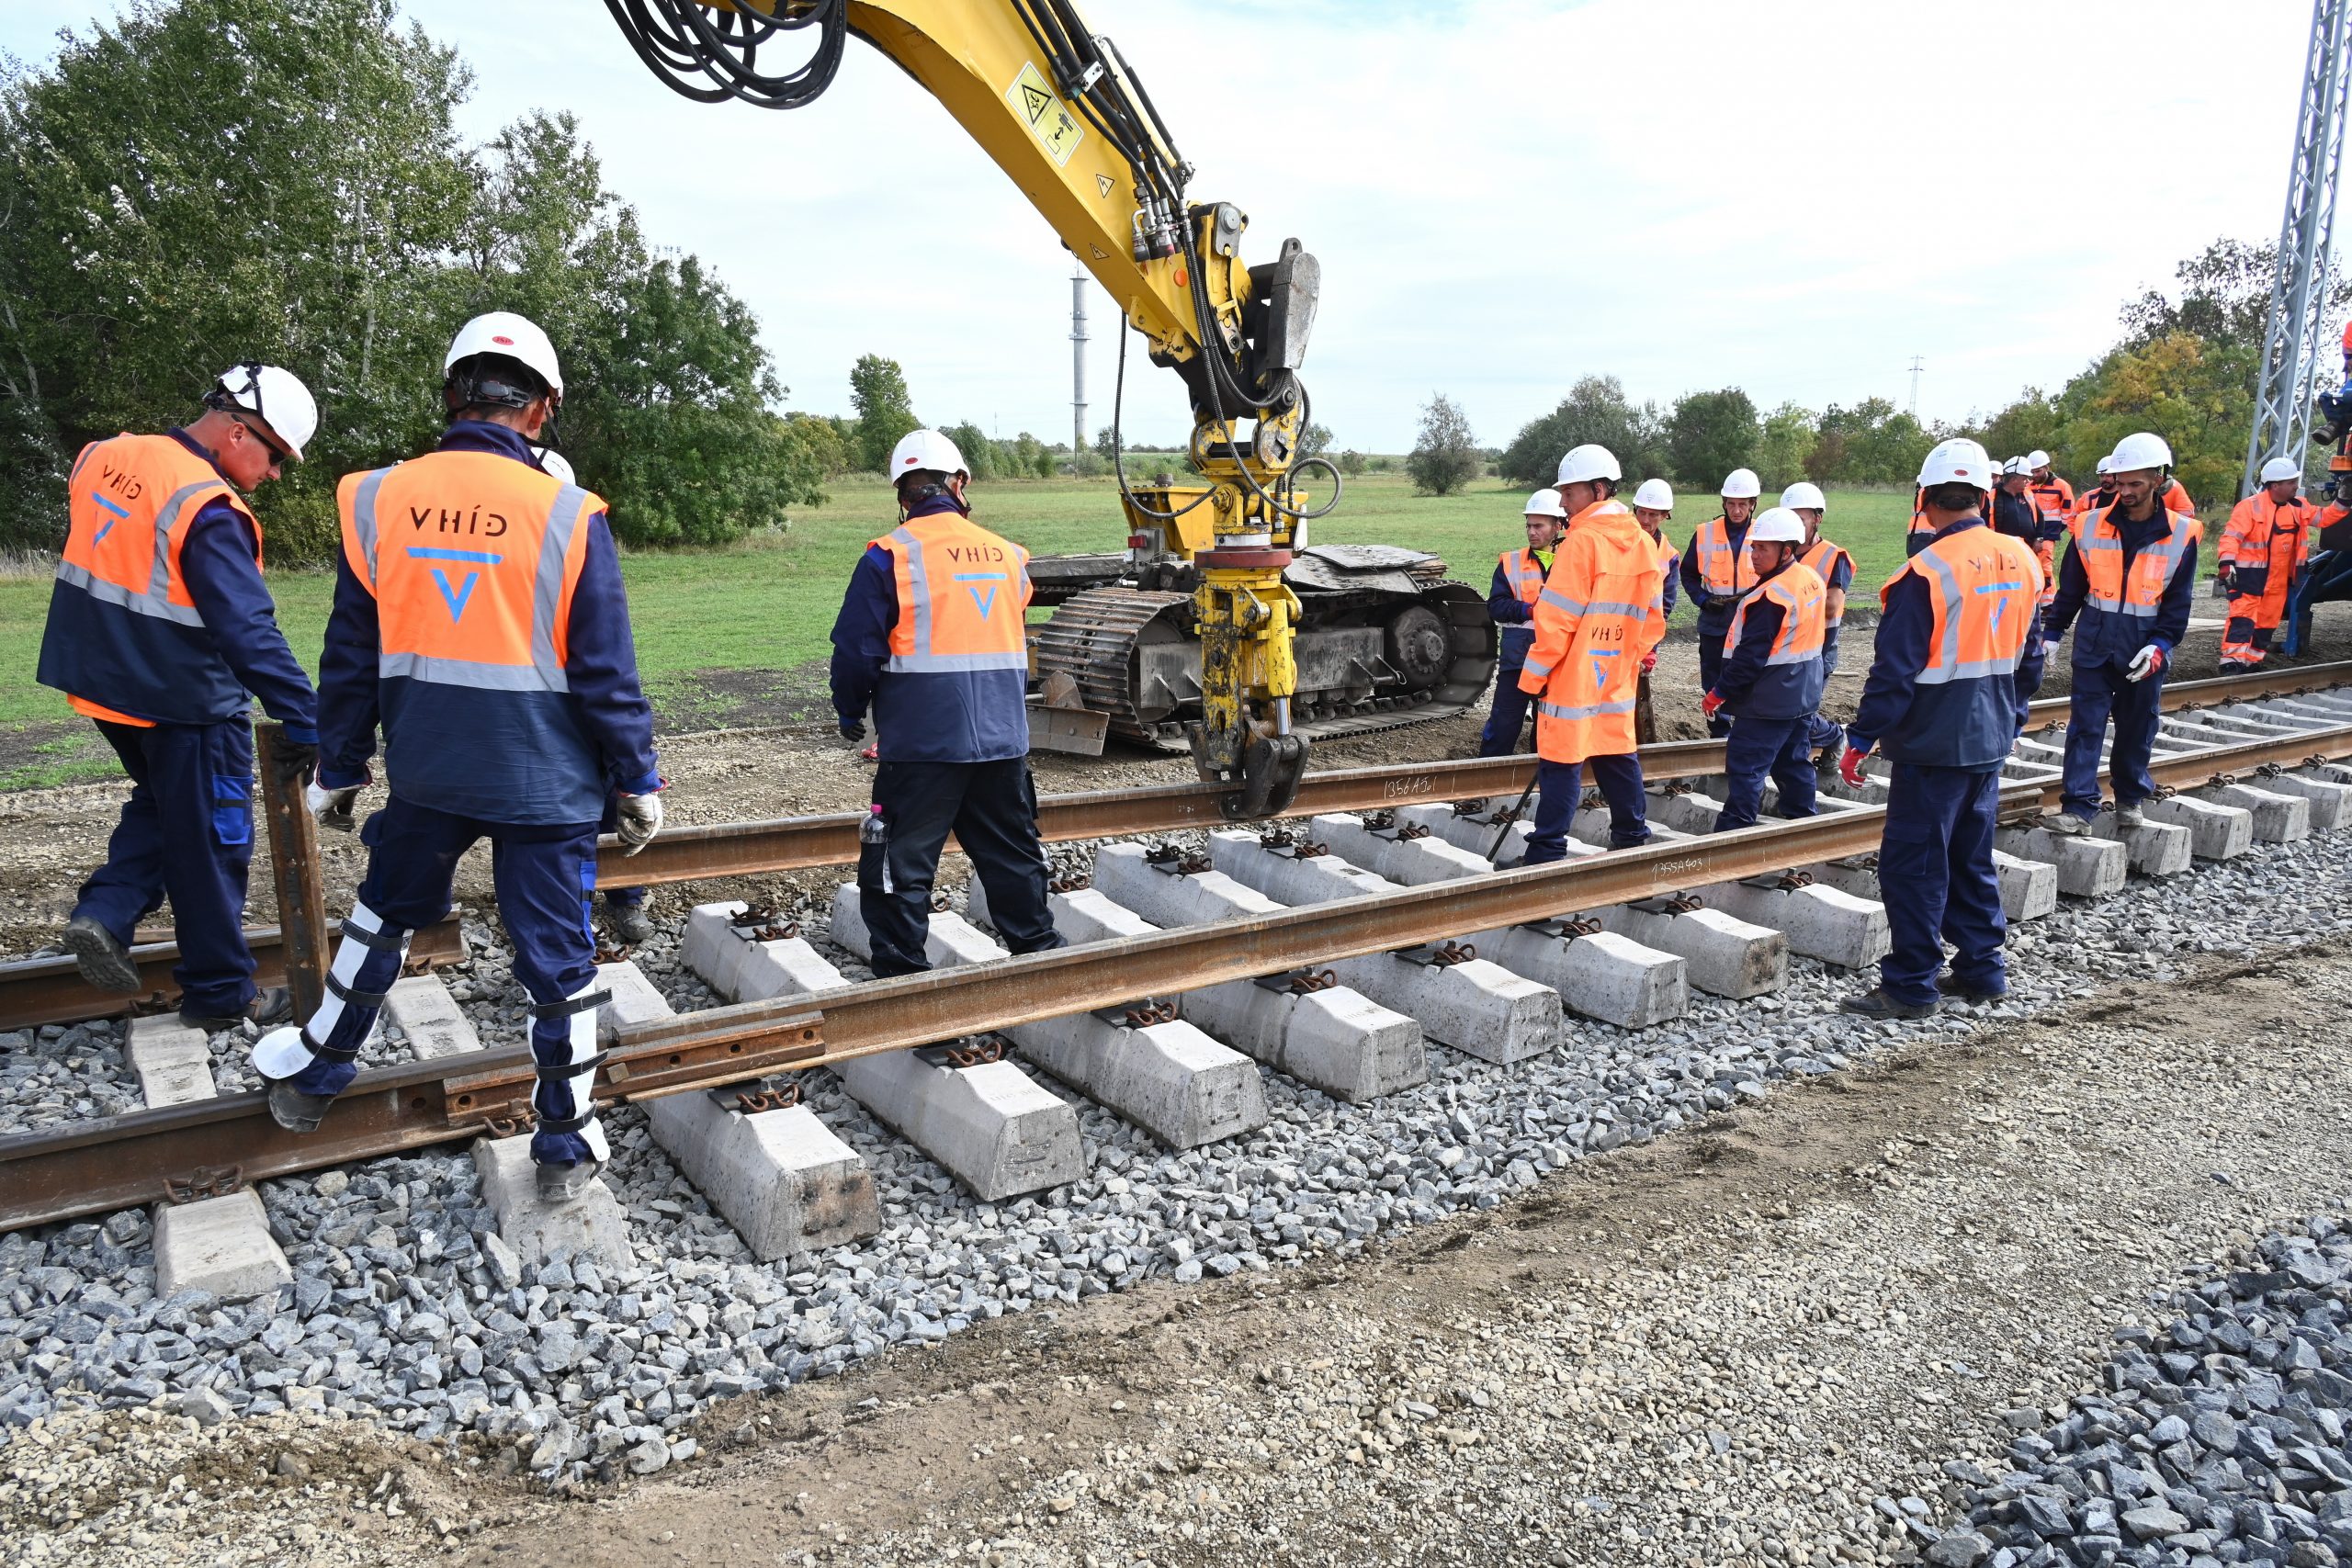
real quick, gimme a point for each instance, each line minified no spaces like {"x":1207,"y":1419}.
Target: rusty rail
{"x":801,"y":843}
{"x":94,"y":1166}
{"x":294,"y":868}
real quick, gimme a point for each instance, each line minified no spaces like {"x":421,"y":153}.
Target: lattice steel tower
{"x":2293,"y":350}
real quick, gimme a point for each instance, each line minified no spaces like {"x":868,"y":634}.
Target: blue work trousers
{"x":1560,"y":787}
{"x":1827,"y":731}
{"x":1780,"y":747}
{"x":185,"y":832}
{"x":1935,"y":872}
{"x":1506,"y":729}
{"x":542,"y":874}
{"x":991,"y":808}
{"x":2101,"y":693}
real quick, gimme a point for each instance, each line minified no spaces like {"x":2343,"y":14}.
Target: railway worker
{"x":2099,"y":494}
{"x":1654,"y":509}
{"x":1836,"y":568}
{"x":160,"y":626}
{"x":1770,"y":677}
{"x":1957,"y":659}
{"x":2263,"y":552}
{"x":2017,"y":511}
{"x":930,"y":638}
{"x":480,"y":618}
{"x":1716,"y":574}
{"x":2129,"y":572}
{"x":1598,"y":620}
{"x":1511,"y":600}
{"x":2053,"y":497}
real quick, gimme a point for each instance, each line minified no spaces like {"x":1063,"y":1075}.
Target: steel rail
{"x":94,"y":1166}
{"x":34,"y":991}
{"x":802,"y":843}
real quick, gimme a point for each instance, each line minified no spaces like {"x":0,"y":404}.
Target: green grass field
{"x":767,"y":606}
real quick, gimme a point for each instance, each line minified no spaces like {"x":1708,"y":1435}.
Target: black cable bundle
{"x":711,"y":56}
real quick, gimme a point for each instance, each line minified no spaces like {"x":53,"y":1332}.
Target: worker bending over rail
{"x":930,"y":638}
{"x":2129,"y":572}
{"x":1716,"y":575}
{"x":1957,"y":659}
{"x":1836,"y":568}
{"x":1598,"y":623}
{"x":159,"y":626}
{"x":480,"y":619}
{"x":1510,"y":601}
{"x":2264,"y":550}
{"x":1770,"y":677}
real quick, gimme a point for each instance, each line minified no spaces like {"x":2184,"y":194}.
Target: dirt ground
{"x":50,"y":839}
{"x":1715,"y":1348}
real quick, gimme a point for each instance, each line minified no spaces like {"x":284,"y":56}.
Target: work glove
{"x":2149,"y":660}
{"x":2050,"y":648}
{"x":1650,"y":662}
{"x":636,"y":817}
{"x":332,"y":806}
{"x":2228,"y":576}
{"x":853,"y":730}
{"x":1710,"y":703}
{"x":298,"y":762}
{"x":1849,"y":766}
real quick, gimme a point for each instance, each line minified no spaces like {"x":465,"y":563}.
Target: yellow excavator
{"x":1060,"y":110}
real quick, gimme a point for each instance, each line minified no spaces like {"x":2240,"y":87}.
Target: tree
{"x":1874,"y":444}
{"x":979,"y":452}
{"x":1596,"y":410}
{"x":1709,"y":434}
{"x":1446,"y":456}
{"x":1314,"y":440}
{"x":2191,"y":391}
{"x":1788,"y":441}
{"x":824,"y":439}
{"x":877,"y":390}
{"x":1351,"y":462}
{"x":2031,"y":422}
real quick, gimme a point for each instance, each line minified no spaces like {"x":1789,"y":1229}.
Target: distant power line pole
{"x":1917,"y":366}
{"x":1076,"y":358}
{"x":2292,"y":349}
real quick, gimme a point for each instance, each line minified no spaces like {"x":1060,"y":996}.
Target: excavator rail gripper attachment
{"x":1272,"y":767}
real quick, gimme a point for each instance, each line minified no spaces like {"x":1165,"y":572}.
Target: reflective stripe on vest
{"x":1803,"y":601}
{"x":2101,"y":546}
{"x":1595,"y":710}
{"x":963,"y":597}
{"x":475,"y":592}
{"x":1719,"y":562}
{"x":1982,"y":587}
{"x":1524,"y":572}
{"x":123,"y":535}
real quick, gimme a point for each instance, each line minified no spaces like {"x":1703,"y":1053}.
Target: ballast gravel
{"x":407,"y":1310}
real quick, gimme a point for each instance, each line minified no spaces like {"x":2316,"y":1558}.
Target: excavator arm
{"x":1059,"y":110}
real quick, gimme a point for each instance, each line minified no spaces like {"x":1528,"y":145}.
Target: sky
{"x":1505,"y":194}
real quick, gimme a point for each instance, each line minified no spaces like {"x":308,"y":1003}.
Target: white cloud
{"x":1792,"y":197}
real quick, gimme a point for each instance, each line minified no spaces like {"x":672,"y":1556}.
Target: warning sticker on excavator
{"x":1048,"y":118}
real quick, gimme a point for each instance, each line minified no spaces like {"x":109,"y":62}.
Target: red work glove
{"x":1650,"y":662}
{"x":1849,"y":766}
{"x":1709,"y":704}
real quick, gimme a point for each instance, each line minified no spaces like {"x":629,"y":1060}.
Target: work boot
{"x":1951,"y":985}
{"x":293,"y":1110}
{"x":2064,"y":823}
{"x":103,"y":961}
{"x":630,"y":923}
{"x":2130,"y":816}
{"x":567,"y":1183}
{"x":1876,"y":1003}
{"x":272,"y":1006}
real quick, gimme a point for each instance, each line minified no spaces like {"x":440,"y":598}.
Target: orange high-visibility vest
{"x":1983,"y":586}
{"x":1822,"y":558}
{"x":2100,"y":545}
{"x":472,"y":557}
{"x":963,"y":597}
{"x":2268,"y":544}
{"x":2175,"y":499}
{"x":1524,"y":572}
{"x":1722,"y":567}
{"x":2054,"y":500}
{"x":1804,"y":599}
{"x":1601,"y":611}
{"x":122,"y":542}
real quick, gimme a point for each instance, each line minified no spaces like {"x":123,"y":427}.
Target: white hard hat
{"x":518,"y":337}
{"x":1777,"y":525}
{"x":926,"y":451}
{"x":2139,"y":450}
{"x":2012,"y":466}
{"x":1739,"y":483}
{"x":1656,"y":495}
{"x":2280,"y":468}
{"x":2037,"y":458}
{"x":276,"y":396}
{"x":2107,"y":464}
{"x":1957,"y":461}
{"x":1545,"y":503}
{"x":1804,"y":493}
{"x":1588,"y":462}
{"x":554,"y":462}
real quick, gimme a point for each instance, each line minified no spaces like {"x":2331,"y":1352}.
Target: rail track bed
{"x":1255,"y":1053}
